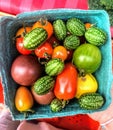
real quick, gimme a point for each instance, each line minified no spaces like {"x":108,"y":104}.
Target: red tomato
{"x":53,"y":41}
{"x":44,"y":51}
{"x":66,"y":83}
{"x":20,"y":47}
{"x":69,"y":54}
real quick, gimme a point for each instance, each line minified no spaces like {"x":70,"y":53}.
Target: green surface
{"x":96,"y":5}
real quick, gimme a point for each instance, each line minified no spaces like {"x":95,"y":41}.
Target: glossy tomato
{"x":44,"y":51}
{"x":86,"y":84}
{"x":26,"y":69}
{"x":87,"y":58}
{"x":60,"y":52}
{"x":66,"y":83}
{"x":23,"y":99}
{"x":20,"y":47}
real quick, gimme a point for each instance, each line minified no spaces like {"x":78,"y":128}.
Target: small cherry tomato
{"x":66,"y":83}
{"x":44,"y":51}
{"x":43,"y":23}
{"x":53,"y":41}
{"x":23,"y":99}
{"x":60,"y":52}
{"x":22,"y":31}
{"x":88,"y":25}
{"x":20,"y":47}
{"x":69,"y":54}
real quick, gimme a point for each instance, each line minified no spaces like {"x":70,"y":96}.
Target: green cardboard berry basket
{"x":8,"y":28}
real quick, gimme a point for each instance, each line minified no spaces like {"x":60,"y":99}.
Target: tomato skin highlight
{"x":66,"y":83}
{"x":60,"y":52}
{"x":69,"y":55}
{"x":20,"y":47}
{"x":44,"y":50}
{"x":23,"y":99}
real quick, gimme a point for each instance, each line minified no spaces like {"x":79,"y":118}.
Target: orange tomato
{"x":88,"y":25}
{"x":44,"y":24}
{"x":23,"y":99}
{"x":60,"y":52}
{"x":22,"y":30}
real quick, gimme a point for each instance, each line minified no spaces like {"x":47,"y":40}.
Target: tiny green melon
{"x":75,"y":26}
{"x":44,"y":84}
{"x":35,"y":38}
{"x":96,"y":36}
{"x":54,"y":67}
{"x":58,"y":104}
{"x":59,"y":29}
{"x":91,"y":101}
{"x":71,"y":42}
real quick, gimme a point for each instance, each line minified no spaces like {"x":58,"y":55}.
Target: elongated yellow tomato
{"x":23,"y":99}
{"x":86,"y":84}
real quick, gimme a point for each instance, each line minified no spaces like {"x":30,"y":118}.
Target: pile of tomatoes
{"x":51,"y":48}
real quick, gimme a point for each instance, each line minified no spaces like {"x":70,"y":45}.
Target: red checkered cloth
{"x":18,"y":6}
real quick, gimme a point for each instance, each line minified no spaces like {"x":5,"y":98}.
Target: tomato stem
{"x":64,"y":102}
{"x":27,"y":112}
{"x":82,"y":73}
{"x":43,"y":61}
{"x":47,"y":56}
{"x":43,"y":21}
{"x":55,"y":44}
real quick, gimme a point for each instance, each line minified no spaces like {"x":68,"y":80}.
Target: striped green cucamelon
{"x":96,"y":36}
{"x":71,"y":42}
{"x":58,"y":104}
{"x":43,"y":85}
{"x":91,"y":101}
{"x":60,"y":30}
{"x":54,"y":67}
{"x":35,"y":38}
{"x":75,"y":26}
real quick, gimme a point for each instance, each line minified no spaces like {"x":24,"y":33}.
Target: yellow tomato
{"x":86,"y":84}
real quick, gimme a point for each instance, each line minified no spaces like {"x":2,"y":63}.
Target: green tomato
{"x":87,"y":58}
